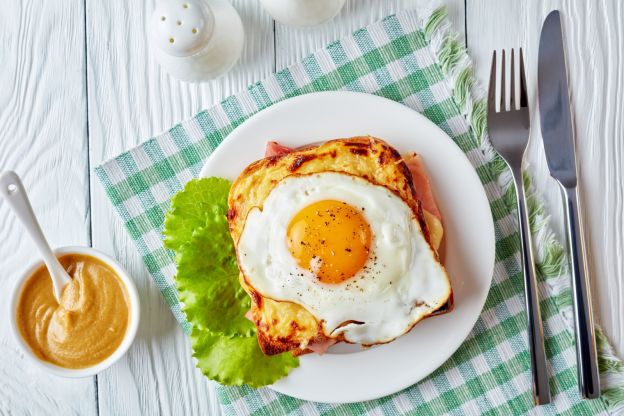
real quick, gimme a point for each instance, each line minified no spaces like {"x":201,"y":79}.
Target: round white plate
{"x":348,"y":373}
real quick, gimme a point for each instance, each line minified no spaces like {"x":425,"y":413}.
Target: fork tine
{"x":512,"y":86}
{"x":503,"y":106}
{"x":523,"y":92}
{"x":492,"y":86}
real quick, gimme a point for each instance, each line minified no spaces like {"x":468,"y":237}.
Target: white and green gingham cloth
{"x":417,"y":62}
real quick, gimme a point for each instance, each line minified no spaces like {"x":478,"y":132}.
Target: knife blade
{"x":558,"y":137}
{"x":554,"y":103}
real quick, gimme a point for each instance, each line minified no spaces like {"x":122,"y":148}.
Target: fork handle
{"x":586,"y":357}
{"x":541,"y":389}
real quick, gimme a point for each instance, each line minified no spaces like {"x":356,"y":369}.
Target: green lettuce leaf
{"x":238,"y":360}
{"x":202,"y":201}
{"x":207,"y":282}
{"x":224,"y":341}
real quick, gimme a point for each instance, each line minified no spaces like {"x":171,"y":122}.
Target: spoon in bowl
{"x":12,"y":189}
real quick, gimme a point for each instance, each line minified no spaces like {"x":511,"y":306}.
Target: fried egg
{"x":351,"y":252}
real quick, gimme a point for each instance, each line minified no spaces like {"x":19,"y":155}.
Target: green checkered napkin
{"x":418,"y":62}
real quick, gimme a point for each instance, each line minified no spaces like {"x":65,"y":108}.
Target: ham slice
{"x":421,"y":183}
{"x":249,"y":315}
{"x":320,"y":347}
{"x":412,"y":160}
{"x":276,"y":149}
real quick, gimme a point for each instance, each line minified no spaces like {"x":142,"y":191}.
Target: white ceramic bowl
{"x":133,"y":325}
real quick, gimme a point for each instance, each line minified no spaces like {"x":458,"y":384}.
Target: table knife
{"x":558,"y":136}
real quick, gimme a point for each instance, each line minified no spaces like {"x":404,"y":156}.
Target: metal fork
{"x":509,"y":134}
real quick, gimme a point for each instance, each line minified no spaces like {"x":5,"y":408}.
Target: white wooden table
{"x":78,"y":86}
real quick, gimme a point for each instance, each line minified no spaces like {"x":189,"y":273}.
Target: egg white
{"x":401,"y":283}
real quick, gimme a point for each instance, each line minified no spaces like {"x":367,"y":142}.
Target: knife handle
{"x":541,"y":388}
{"x":586,"y":356}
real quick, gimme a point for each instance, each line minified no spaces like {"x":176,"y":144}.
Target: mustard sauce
{"x":87,"y":326}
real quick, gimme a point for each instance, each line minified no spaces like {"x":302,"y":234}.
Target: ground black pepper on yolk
{"x":330,"y":238}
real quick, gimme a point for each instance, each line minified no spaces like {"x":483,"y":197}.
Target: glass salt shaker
{"x":196,"y":40}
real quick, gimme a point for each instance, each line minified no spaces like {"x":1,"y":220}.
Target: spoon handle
{"x":12,"y":189}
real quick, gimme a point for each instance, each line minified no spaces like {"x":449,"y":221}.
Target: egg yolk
{"x":330,"y":238}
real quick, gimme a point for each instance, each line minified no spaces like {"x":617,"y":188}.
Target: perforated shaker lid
{"x":181,"y":27}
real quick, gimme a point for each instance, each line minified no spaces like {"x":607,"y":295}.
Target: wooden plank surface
{"x":131,"y":99}
{"x":43,"y":139}
{"x":44,"y":104}
{"x":594,"y":33}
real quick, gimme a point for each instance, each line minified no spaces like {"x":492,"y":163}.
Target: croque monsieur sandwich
{"x":337,"y":243}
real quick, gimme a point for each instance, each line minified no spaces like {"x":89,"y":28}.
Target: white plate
{"x":348,"y":373}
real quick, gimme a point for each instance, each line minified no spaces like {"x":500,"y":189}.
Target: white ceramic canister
{"x":302,"y":12}
{"x":196,"y":40}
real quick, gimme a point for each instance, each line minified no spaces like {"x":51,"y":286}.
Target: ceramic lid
{"x":181,"y":27}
